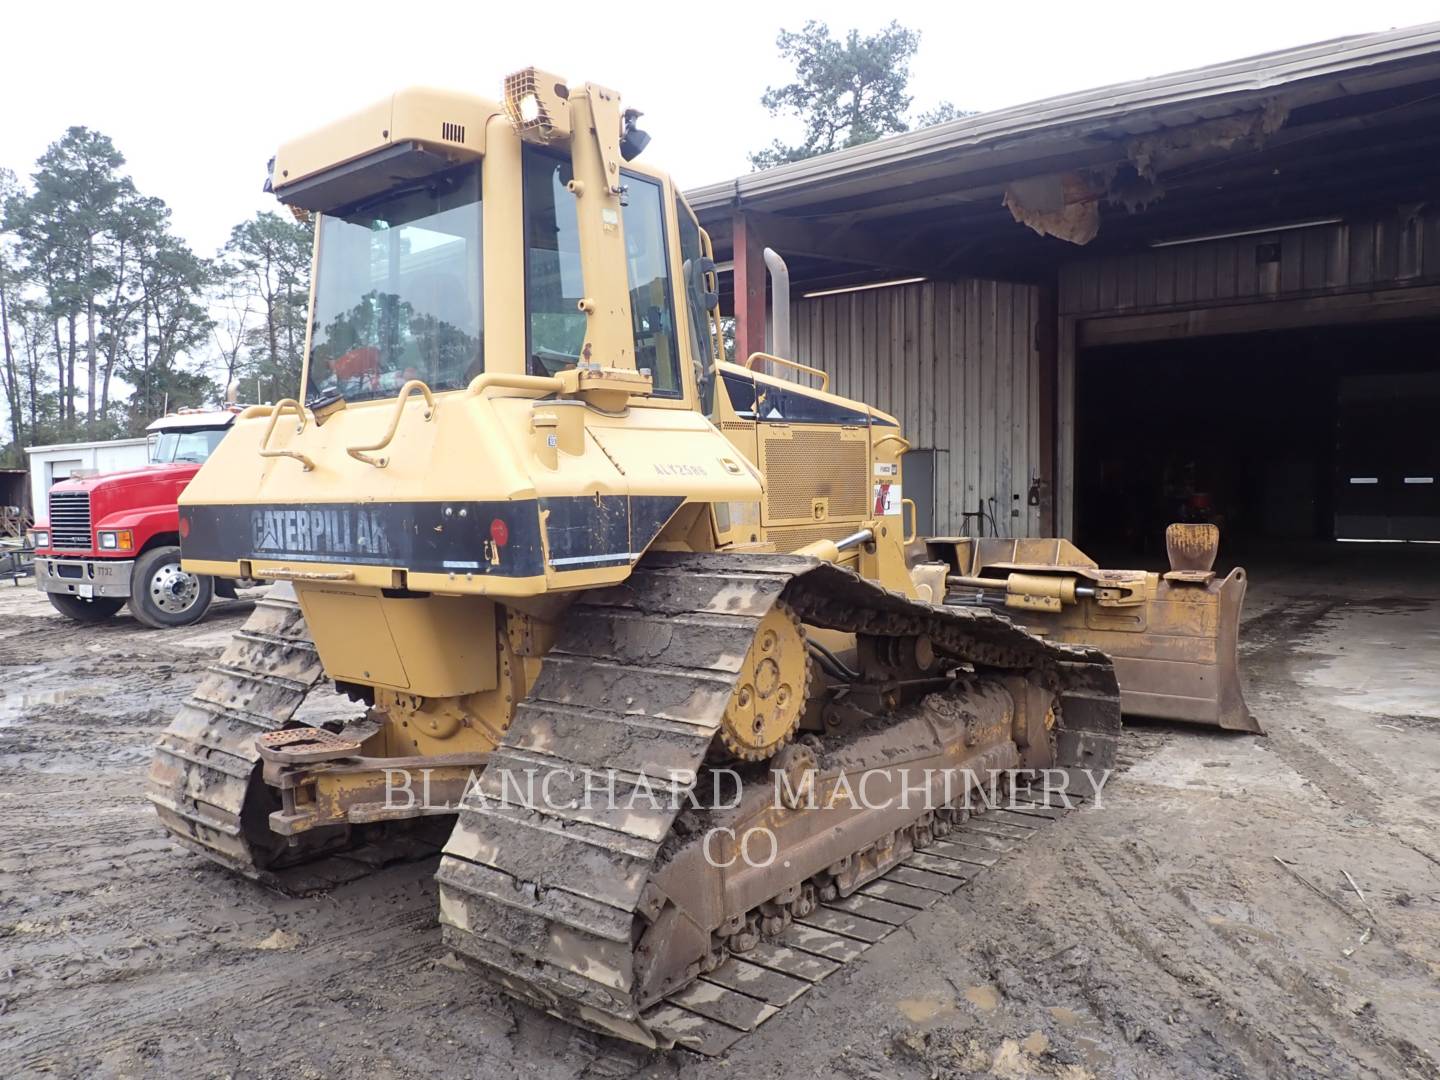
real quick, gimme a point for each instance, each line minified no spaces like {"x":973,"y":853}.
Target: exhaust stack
{"x":779,"y":302}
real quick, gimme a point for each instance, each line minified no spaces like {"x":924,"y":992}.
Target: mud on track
{"x":1155,"y":937}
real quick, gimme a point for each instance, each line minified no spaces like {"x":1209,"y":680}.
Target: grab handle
{"x":914,"y":520}
{"x":793,"y":364}
{"x":362,"y":453}
{"x":287,"y":405}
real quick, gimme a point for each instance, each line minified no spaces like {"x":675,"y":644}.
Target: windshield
{"x":192,"y":446}
{"x":398,"y":292}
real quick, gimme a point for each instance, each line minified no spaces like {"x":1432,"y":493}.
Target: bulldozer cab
{"x":510,"y":354}
{"x":517,"y":238}
{"x":514,"y":381}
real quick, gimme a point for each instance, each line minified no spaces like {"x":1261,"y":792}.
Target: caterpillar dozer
{"x":632,"y":624}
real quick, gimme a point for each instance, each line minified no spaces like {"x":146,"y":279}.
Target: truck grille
{"x":70,"y":520}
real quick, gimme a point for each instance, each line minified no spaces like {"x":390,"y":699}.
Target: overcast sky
{"x":198,"y":95}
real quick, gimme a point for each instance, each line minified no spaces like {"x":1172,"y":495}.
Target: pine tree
{"x":847,"y":92}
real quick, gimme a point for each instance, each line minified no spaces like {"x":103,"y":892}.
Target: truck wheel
{"x":163,"y":595}
{"x":81,"y":610}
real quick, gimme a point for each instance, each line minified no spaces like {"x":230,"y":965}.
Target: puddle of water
{"x":1035,"y":1043}
{"x":1089,"y":1038}
{"x":919,"y":1010}
{"x":983,"y":998}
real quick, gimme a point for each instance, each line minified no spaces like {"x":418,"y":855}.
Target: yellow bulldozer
{"x":626,"y":617}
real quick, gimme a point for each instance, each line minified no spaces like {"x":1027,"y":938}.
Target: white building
{"x":51,"y":464}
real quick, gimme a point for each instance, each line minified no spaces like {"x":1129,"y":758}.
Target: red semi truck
{"x":115,"y":537}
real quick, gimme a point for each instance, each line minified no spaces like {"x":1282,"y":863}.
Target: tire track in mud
{"x":1295,"y":1025}
{"x":1186,"y":994}
{"x":1275,"y":643}
{"x":1228,"y":1003}
{"x":182,"y":982}
{"x":1288,"y":1028}
{"x":1343,"y":771}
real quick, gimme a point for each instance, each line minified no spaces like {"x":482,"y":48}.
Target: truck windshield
{"x":398,"y":292}
{"x":192,"y":446}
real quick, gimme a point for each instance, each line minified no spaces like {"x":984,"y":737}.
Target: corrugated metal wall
{"x":956,"y":363}
{"x":1392,"y":250}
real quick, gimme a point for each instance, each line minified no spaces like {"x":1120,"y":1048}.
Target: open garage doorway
{"x":1290,"y":438}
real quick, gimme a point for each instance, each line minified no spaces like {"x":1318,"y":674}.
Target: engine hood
{"x":159,"y":475}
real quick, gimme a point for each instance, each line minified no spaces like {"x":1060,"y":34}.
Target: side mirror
{"x":704,"y":269}
{"x":632,"y":140}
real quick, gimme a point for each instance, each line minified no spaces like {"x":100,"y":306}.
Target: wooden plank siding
{"x":957,"y":364}
{"x":1384,"y":252}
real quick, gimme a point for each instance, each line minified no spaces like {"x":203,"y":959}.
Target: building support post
{"x":1047,"y":334}
{"x":1065,"y":375}
{"x":749,"y":289}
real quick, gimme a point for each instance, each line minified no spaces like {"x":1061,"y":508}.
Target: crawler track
{"x":204,"y":780}
{"x":722,"y":1007}
{"x":554,"y":904}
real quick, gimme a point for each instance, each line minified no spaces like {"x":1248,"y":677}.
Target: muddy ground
{"x":1155,"y":936}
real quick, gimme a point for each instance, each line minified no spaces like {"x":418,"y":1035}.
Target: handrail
{"x":287,"y":405}
{"x":361,"y":453}
{"x":909,"y":538}
{"x":548,"y":384}
{"x":795,"y":364}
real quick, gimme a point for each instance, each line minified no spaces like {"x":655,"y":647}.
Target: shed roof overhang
{"x":1338,"y":128}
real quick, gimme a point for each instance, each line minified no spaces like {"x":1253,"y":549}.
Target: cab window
{"x":697,"y":315}
{"x":555,"y":326}
{"x":652,"y":302}
{"x":397,"y":291}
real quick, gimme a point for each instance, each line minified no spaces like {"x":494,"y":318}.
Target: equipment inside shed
{"x":1299,"y":435}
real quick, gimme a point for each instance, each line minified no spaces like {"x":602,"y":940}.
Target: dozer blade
{"x":1173,"y":636}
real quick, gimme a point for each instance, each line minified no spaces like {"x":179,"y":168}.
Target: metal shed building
{"x":1215,"y":292}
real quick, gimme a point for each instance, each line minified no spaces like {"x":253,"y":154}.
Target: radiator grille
{"x":809,"y":465}
{"x":452,"y":132}
{"x":70,"y":520}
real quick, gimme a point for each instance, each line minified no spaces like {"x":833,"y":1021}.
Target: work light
{"x":537,"y":106}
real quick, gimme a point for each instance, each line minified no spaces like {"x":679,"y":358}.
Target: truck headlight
{"x":39,"y":538}
{"x":116,"y":539}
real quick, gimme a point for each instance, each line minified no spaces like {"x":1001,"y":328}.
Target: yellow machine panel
{"x":449,"y":641}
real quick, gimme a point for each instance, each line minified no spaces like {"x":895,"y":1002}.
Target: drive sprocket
{"x":765,"y":709}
